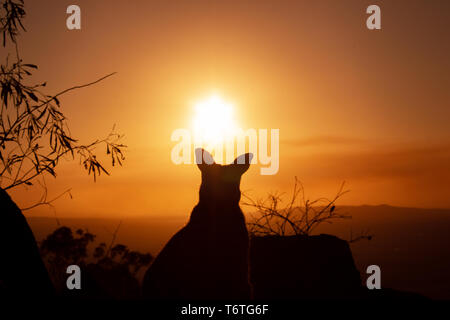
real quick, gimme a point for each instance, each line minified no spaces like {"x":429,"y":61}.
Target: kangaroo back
{"x":208,"y":258}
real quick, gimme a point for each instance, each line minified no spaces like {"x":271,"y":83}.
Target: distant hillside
{"x":412,"y":246}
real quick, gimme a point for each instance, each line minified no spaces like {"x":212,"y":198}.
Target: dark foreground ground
{"x":412,"y":246}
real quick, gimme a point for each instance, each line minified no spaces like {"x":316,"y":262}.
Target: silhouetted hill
{"x":410,"y":245}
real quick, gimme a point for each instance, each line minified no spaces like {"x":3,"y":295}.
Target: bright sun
{"x":213,"y":122}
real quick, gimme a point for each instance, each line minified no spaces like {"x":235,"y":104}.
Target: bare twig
{"x":362,"y":236}
{"x":44,"y":202}
{"x":114,"y":235}
{"x":298,"y":217}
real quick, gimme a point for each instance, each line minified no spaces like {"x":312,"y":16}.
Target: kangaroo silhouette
{"x":208,"y":258}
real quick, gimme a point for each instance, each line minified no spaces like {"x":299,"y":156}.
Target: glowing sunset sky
{"x":368,"y":107}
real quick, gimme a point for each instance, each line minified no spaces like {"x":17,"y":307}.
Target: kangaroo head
{"x":220,"y":183}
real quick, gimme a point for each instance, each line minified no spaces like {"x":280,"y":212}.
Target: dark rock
{"x":22,"y":272}
{"x":291,"y":267}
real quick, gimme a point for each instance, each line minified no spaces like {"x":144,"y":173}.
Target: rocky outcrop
{"x":292,"y":267}
{"x":22,"y":272}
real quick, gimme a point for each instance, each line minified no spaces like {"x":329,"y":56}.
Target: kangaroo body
{"x":208,"y":258}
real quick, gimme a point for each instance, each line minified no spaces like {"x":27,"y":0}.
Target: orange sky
{"x":367,"y":107}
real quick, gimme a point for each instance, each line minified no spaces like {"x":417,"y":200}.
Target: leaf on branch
{"x":35,"y":134}
{"x":32,"y":96}
{"x":30,"y":65}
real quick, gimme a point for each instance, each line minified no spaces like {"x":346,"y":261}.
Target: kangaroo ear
{"x":203,"y":158}
{"x":242,"y":163}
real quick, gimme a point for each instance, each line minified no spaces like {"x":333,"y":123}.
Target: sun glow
{"x":214,"y":122}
